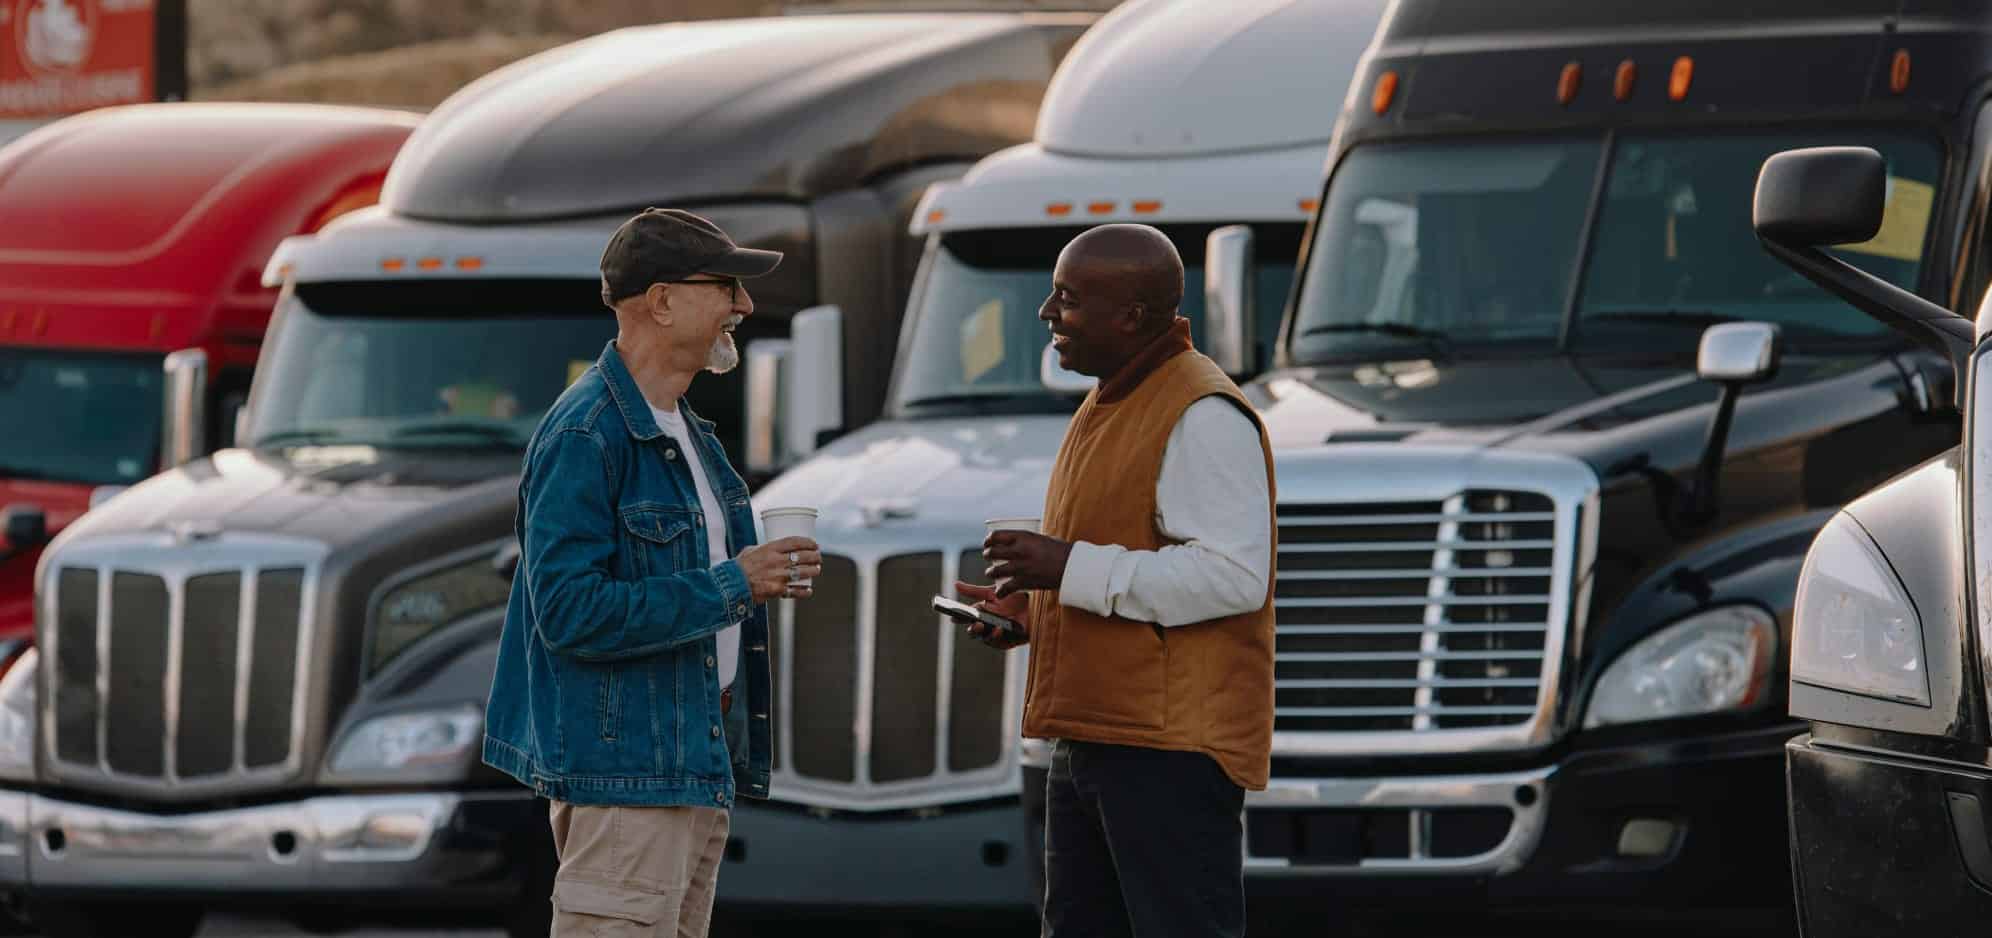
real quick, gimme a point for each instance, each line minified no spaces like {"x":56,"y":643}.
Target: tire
{"x":116,"y":919}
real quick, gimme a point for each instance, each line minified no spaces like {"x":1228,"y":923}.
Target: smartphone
{"x":967,"y":615}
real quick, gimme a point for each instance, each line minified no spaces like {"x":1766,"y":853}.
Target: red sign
{"x":59,"y":57}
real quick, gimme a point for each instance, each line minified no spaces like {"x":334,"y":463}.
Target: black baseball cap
{"x":661,"y":245}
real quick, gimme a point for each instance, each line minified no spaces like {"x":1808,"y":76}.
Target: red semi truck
{"x":132,"y":244}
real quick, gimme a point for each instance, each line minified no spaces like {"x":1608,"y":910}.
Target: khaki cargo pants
{"x":627,"y":872}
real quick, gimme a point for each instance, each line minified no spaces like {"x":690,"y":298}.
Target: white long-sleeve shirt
{"x":1212,"y":496}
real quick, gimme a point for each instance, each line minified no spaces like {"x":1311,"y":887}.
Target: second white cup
{"x":797,"y":521}
{"x":994,"y":525}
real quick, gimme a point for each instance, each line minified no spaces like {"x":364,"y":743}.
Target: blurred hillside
{"x":414,"y":53}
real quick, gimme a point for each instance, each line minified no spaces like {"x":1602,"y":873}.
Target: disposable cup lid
{"x":785,"y":512}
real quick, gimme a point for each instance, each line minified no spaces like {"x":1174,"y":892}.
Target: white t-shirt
{"x":673,"y":424}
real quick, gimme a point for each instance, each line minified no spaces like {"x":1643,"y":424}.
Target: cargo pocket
{"x":1115,"y":673}
{"x":591,"y":910}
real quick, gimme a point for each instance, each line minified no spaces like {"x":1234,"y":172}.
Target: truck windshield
{"x":91,"y":419}
{"x":977,"y":341}
{"x":425,"y":364}
{"x":1473,"y":247}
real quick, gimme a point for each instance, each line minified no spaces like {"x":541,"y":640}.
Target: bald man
{"x":1148,"y":605}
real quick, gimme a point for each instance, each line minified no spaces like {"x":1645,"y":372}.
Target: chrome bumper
{"x":353,"y":843}
{"x":1420,"y":796}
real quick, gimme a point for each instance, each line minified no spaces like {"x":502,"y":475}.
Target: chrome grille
{"x":176,"y":667}
{"x":878,"y":705}
{"x":1414,"y":616}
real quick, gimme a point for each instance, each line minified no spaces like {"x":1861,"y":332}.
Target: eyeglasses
{"x":732,"y":285}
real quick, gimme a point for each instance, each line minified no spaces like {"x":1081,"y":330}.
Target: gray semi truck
{"x":259,"y":676}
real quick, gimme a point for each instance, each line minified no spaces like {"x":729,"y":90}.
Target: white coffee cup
{"x":796,"y":521}
{"x":994,"y":525}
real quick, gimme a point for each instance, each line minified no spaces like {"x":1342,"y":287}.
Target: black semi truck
{"x":1554,"y":435}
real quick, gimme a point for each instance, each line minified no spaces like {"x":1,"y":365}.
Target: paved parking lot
{"x":1328,"y":922}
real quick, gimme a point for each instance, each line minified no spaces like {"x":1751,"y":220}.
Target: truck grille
{"x":878,"y":705}
{"x":182,"y":677}
{"x":1413,"y":616}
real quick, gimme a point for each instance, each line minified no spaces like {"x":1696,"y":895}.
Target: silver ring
{"x":794,"y":558}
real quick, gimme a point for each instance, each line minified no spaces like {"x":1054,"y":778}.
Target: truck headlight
{"x":1708,"y":662}
{"x":420,"y":745}
{"x":17,"y":718}
{"x":1856,"y":629}
{"x":412,"y":610}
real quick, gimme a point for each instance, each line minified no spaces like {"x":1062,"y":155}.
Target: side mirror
{"x":795,"y":390}
{"x":813,"y":400}
{"x":1733,"y":354}
{"x":1057,"y":378}
{"x":184,"y":430}
{"x":1229,"y":301}
{"x":767,"y":367}
{"x":1739,"y":353}
{"x":24,"y":526}
{"x":1821,"y":196}
{"x":1813,"y":198}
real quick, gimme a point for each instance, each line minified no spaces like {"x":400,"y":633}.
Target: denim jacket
{"x":607,"y":685}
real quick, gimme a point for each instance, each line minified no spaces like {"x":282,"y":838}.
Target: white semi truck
{"x":1209,"y":121}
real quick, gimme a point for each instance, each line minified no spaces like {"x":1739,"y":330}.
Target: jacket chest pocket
{"x":660,"y":541}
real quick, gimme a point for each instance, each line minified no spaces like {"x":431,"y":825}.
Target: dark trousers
{"x":1142,"y":843}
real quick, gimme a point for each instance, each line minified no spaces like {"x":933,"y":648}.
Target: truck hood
{"x":338,"y":496}
{"x":1596,"y":409}
{"x":932,"y":481}
{"x":935,"y":481}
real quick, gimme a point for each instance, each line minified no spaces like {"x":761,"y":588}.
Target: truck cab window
{"x":976,"y":339}
{"x":441,"y":365}
{"x":1473,"y":246}
{"x":1673,"y":250}
{"x":79,"y":417}
{"x":1475,"y":242}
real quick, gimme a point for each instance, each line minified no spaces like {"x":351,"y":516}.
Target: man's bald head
{"x":1115,"y":291}
{"x":1141,"y":259}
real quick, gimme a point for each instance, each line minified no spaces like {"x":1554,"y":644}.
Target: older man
{"x":1151,"y":620}
{"x":630,"y":628}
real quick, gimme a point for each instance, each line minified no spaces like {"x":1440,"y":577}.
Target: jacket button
{"x":670,"y":454}
{"x":715,"y":732}
{"x":719,"y":796}
{"x":710,"y":661}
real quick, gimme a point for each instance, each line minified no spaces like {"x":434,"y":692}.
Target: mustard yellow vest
{"x":1205,"y":687}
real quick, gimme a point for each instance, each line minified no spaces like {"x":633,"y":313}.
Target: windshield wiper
{"x":495,"y":433}
{"x":1439,"y":342}
{"x":307,"y":436}
{"x":1044,"y":400}
{"x":1673,"y":317}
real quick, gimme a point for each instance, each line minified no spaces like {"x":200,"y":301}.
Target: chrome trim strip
{"x":867,"y":650}
{"x":1421,"y":795}
{"x":944,"y":649}
{"x":233,"y":850}
{"x":245,"y":652}
{"x":161,"y":554}
{"x":1369,"y":472}
{"x":176,"y":630}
